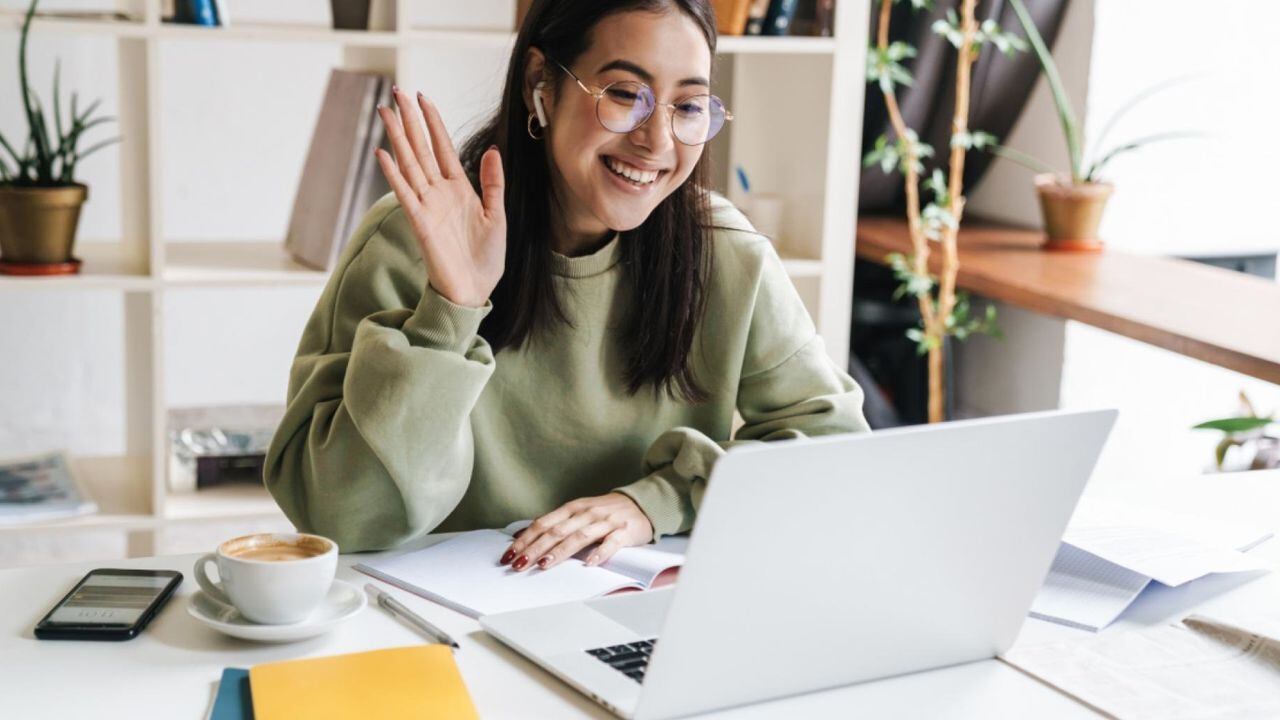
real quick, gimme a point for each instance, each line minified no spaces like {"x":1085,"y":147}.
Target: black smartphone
{"x":109,"y":604}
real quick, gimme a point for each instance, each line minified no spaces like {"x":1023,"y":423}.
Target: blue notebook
{"x":233,"y":701}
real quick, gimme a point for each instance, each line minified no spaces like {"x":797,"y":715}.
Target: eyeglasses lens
{"x":624,"y":106}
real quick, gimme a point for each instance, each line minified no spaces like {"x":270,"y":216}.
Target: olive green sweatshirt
{"x":401,"y":420}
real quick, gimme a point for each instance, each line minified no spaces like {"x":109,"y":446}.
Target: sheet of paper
{"x":463,"y":573}
{"x":1172,"y":672}
{"x":1165,"y":557}
{"x":1085,"y":591}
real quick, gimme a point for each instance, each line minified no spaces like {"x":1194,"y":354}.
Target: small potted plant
{"x":40,"y":200}
{"x":1071,"y":204}
{"x":1254,"y":446}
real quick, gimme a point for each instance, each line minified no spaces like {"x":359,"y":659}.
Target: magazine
{"x":41,"y":487}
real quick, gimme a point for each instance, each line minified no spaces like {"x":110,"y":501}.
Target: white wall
{"x":1189,"y":197}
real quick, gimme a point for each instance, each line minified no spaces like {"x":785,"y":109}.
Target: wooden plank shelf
{"x":1219,"y":316}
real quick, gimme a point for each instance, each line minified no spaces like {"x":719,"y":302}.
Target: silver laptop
{"x":907,"y":549}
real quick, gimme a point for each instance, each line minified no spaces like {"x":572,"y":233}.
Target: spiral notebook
{"x":462,"y":573}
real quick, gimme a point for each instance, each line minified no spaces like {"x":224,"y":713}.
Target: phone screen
{"x":109,"y":599}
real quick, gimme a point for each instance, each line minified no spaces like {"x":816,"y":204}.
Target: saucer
{"x":343,"y":602}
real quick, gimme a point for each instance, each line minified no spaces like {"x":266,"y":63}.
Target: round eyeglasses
{"x":626,"y":105}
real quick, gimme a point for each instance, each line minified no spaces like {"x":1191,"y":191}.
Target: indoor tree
{"x":943,"y":311}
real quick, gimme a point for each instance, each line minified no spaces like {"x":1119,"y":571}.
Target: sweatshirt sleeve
{"x":375,"y":446}
{"x":789,"y":388}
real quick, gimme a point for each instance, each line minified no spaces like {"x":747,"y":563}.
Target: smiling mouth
{"x":626,"y":173}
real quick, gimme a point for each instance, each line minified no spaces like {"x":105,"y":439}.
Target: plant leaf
{"x":1234,"y":425}
{"x":1066,"y":116}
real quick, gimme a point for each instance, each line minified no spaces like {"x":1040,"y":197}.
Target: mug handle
{"x":212,"y":589}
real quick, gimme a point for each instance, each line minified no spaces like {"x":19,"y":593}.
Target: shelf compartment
{"x":112,"y":481}
{"x":106,"y":266}
{"x":229,"y":501}
{"x":230,"y":263}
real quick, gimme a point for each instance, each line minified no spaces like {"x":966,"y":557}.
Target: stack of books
{"x":774,"y":17}
{"x":341,"y":179}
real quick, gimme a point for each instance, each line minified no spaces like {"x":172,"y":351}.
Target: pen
{"x":395,"y":607}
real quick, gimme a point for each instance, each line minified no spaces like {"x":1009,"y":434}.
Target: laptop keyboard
{"x":630,"y":659}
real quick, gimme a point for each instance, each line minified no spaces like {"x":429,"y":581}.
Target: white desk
{"x":169,"y":671}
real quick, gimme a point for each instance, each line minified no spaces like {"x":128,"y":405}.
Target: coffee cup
{"x":271,"y":578}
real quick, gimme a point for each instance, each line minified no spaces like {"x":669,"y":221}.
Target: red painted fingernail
{"x":506,"y":557}
{"x":544,"y":562}
{"x":520,"y":562}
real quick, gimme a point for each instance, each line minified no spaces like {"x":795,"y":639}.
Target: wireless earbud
{"x":537,"y":104}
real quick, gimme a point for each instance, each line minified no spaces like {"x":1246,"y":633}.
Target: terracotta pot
{"x":1072,"y":212}
{"x":38,"y":224}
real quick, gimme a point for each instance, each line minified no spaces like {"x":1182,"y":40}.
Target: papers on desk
{"x":1202,"y":667}
{"x":1100,"y":571}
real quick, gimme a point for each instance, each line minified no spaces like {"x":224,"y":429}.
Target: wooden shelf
{"x":231,"y":263}
{"x":272,"y":32}
{"x":231,"y":501}
{"x":1211,"y":314}
{"x":104,"y":267}
{"x":10,"y":20}
{"x":281,"y":32}
{"x":784,"y":45}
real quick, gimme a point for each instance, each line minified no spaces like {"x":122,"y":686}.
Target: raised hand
{"x":462,"y":235}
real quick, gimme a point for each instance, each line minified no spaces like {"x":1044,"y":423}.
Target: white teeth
{"x":644,"y":177}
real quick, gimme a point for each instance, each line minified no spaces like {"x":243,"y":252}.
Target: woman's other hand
{"x":613,"y":520}
{"x":462,"y":236}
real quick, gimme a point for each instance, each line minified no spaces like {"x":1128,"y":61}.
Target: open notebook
{"x":463,"y":573}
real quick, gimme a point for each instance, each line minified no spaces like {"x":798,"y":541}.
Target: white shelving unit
{"x":798,"y":108}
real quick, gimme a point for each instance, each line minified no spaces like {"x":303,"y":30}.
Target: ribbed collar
{"x":588,"y":265}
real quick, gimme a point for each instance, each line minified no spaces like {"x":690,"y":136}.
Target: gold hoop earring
{"x":529,"y":128}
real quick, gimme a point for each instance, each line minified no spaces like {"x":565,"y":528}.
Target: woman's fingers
{"x":575,"y":542}
{"x":534,"y":552}
{"x":405,"y":158}
{"x":446,"y":156}
{"x":410,"y":118}
{"x":492,"y":184}
{"x":405,"y":194}
{"x":612,"y":543}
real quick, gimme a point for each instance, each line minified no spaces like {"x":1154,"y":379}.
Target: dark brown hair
{"x":666,"y":260}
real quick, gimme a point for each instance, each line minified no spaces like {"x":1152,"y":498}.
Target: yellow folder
{"x":420,"y":682}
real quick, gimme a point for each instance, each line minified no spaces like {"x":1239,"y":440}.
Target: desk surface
{"x":170,"y":670}
{"x":1216,"y":315}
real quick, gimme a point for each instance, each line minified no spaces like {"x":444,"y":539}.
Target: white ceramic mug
{"x":271,"y":578}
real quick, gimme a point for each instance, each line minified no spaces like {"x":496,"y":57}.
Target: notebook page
{"x":643,"y":564}
{"x":1084,"y":591}
{"x":463,"y":573}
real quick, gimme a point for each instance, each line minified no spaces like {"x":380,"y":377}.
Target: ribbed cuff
{"x":439,"y":323}
{"x":669,"y":510}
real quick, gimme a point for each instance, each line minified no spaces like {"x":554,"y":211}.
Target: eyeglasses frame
{"x":728,"y":116}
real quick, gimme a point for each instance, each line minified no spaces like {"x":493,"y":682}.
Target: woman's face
{"x":667,"y":52}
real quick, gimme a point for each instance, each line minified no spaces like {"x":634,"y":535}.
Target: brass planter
{"x":1072,"y":212}
{"x":38,"y":224}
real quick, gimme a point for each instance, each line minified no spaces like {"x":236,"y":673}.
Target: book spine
{"x":778,"y":21}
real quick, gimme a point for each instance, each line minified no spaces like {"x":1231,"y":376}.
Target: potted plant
{"x":40,"y":200}
{"x":1071,"y":204}
{"x":1248,"y":432}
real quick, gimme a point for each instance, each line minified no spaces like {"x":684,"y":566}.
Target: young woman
{"x":559,"y":323}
